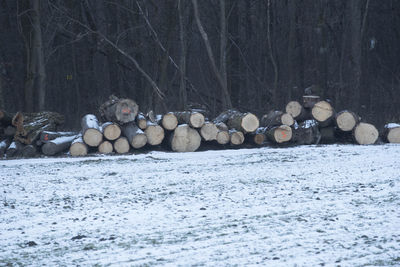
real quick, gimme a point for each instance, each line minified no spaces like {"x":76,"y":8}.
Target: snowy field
{"x":305,"y":206}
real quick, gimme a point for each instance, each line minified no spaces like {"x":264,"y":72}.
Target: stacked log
{"x":185,"y":139}
{"x":276,"y":118}
{"x":391,"y":133}
{"x":111,"y":131}
{"x":365,"y":134}
{"x":121,"y":145}
{"x":91,"y":131}
{"x":279,"y":134}
{"x":119,"y":110}
{"x":106,"y":147}
{"x":244,"y":122}
{"x":141,"y":121}
{"x":209,"y":131}
{"x":258,"y":137}
{"x":236,"y":137}
{"x":136,"y":137}
{"x":306,"y":133}
{"x":297,"y":111}
{"x":169,"y":121}
{"x":154,"y":133}
{"x":193,"y":119}
{"x":78,"y":147}
{"x":323,"y":113}
{"x":57,"y":145}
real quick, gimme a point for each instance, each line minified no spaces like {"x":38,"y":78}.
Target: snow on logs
{"x":185,"y":139}
{"x":57,"y":145}
{"x":391,"y":133}
{"x":78,"y":147}
{"x":119,"y":110}
{"x":91,"y":130}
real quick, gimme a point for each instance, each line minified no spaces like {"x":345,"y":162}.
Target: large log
{"x":111,"y":131}
{"x":193,"y":119}
{"x":297,"y":111}
{"x":30,"y":125}
{"x":121,"y":145}
{"x":244,"y":122}
{"x":185,"y":139}
{"x":236,"y":137}
{"x":78,"y":147}
{"x":391,"y":133}
{"x":223,"y":137}
{"x":106,"y":147}
{"x":155,"y":133}
{"x":279,"y":134}
{"x":57,"y":145}
{"x":276,"y":118}
{"x":4,"y":144}
{"x":346,"y":120}
{"x":209,"y":131}
{"x":141,"y":121}
{"x":119,"y":110}
{"x":91,"y":130}
{"x":323,"y":113}
{"x":136,"y":137}
{"x":365,"y":134}
{"x":46,"y":136}
{"x":306,"y":133}
{"x":169,"y":121}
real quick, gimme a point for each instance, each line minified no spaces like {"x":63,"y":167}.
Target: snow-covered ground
{"x":312,"y":205}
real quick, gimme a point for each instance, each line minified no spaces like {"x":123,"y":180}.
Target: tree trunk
{"x":223,"y":137}
{"x":185,"y":139}
{"x":78,"y":147}
{"x":276,"y":118}
{"x":169,"y":121}
{"x":91,"y":130}
{"x":323,"y":113}
{"x":391,"y":133}
{"x":280,"y":134}
{"x":193,"y":119}
{"x":209,"y":131}
{"x":365,"y":134}
{"x":136,"y":137}
{"x":155,"y":134}
{"x":121,"y":145}
{"x":119,"y":110}
{"x":346,"y":120}
{"x":106,"y":147}
{"x":111,"y":131}
{"x":57,"y":145}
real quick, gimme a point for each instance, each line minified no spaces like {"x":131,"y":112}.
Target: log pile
{"x":122,"y":128}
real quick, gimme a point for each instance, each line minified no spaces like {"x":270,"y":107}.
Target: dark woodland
{"x":170,"y":55}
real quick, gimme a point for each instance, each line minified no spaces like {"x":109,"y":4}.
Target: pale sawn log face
{"x":366,"y":134}
{"x":346,"y":121}
{"x":111,"y":131}
{"x":294,"y":108}
{"x":78,"y":149}
{"x":92,"y":132}
{"x":185,"y":139}
{"x":209,"y":131}
{"x":106,"y":147}
{"x":393,"y":135}
{"x":121,"y":145}
{"x":237,"y":137}
{"x":169,"y":121}
{"x":223,"y":137}
{"x":322,"y":111}
{"x":155,"y":134}
{"x":126,"y":110}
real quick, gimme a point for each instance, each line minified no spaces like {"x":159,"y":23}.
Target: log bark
{"x":306,"y":133}
{"x":4,"y":144}
{"x":244,"y":122}
{"x":155,"y":134}
{"x":106,"y":147}
{"x":91,"y":130}
{"x":30,"y":125}
{"x":29,"y":151}
{"x":111,"y":131}
{"x":209,"y":131}
{"x":169,"y":121}
{"x":346,"y":120}
{"x":297,"y":111}
{"x":279,"y":134}
{"x":141,"y":121}
{"x":236,"y":137}
{"x":136,"y":137}
{"x":15,"y":149}
{"x":78,"y":147}
{"x":225,"y":116}
{"x":365,"y":134}
{"x":119,"y":110}
{"x":193,"y":119}
{"x":323,"y":113}
{"x":328,"y":135}
{"x":46,"y":136}
{"x":276,"y":118}
{"x":57,"y":145}
{"x":391,"y":133}
{"x":121,"y":145}
{"x":185,"y":139}
{"x":310,"y":100}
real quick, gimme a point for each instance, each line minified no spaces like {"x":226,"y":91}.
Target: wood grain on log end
{"x":121,"y":145}
{"x":366,"y":134}
{"x":105,"y":147}
{"x":111,"y":131}
{"x":223,"y":137}
{"x":294,"y":108}
{"x":322,"y":111}
{"x":209,"y":131}
{"x":236,"y":137}
{"x":346,"y":120}
{"x":155,"y":134}
{"x":169,"y":121}
{"x":185,"y":139}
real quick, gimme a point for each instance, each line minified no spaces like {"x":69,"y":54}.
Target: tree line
{"x":253,"y":55}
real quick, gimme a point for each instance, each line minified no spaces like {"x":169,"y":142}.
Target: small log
{"x":209,"y":131}
{"x":30,"y":125}
{"x":169,"y":121}
{"x":310,"y":100}
{"x":185,"y":139}
{"x":193,"y":119}
{"x":328,"y":135}
{"x":91,"y":130}
{"x":29,"y":151}
{"x":297,"y":111}
{"x":10,"y":131}
{"x":4,"y":144}
{"x":244,"y":122}
{"x":121,"y":145}
{"x":46,"y":136}
{"x":154,"y":133}
{"x":119,"y":110}
{"x":57,"y":145}
{"x":141,"y":121}
{"x":111,"y":131}
{"x":323,"y":113}
{"x":306,"y":133}
{"x":15,"y":149}
{"x":391,"y":133}
{"x":346,"y":120}
{"x":258,"y":137}
{"x":136,"y":137}
{"x":106,"y":147}
{"x":279,"y":134}
{"x":223,"y":137}
{"x":236,"y":137}
{"x":78,"y":147}
{"x":365,"y":134}
{"x":276,"y":118}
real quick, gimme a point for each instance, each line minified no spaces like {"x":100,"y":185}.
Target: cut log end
{"x":237,"y":137}
{"x":287,"y":119}
{"x":250,"y":122}
{"x":209,"y":131}
{"x":78,"y":149}
{"x":346,"y":121}
{"x":223,"y":137}
{"x":294,"y":108}
{"x":197,"y":120}
{"x":139,"y":141}
{"x":105,"y":147}
{"x":394,"y":135}
{"x":185,"y":139}
{"x":155,"y":134}
{"x":322,"y":111}
{"x":280,"y":134}
{"x":366,"y":134}
{"x":92,"y":137}
{"x":111,"y":131}
{"x":169,"y":121}
{"x":121,"y":145}
{"x":259,"y":138}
